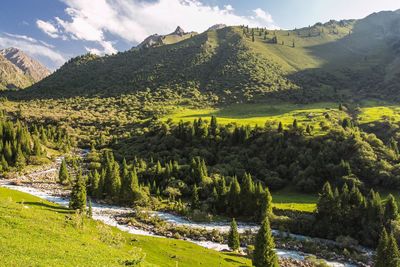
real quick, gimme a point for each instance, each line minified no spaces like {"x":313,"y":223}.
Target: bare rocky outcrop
{"x":25,"y":63}
{"x":18,"y":70}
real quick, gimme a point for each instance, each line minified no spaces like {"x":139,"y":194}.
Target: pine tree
{"x":233,"y":236}
{"x":20,"y":160}
{"x":391,"y":209}
{"x":266,"y":205}
{"x":248,"y":195}
{"x":115,"y":181}
{"x":63,"y":175}
{"x":213,"y":132}
{"x":195,"y":203}
{"x":95,"y":183}
{"x":90,"y":211}
{"x":325,"y":210}
{"x":381,"y":257}
{"x":308,"y":129}
{"x":234,"y":197}
{"x":280,"y":127}
{"x":78,"y":194}
{"x":37,"y":148}
{"x":295,"y":124}
{"x":264,"y":253}
{"x":392,"y":252}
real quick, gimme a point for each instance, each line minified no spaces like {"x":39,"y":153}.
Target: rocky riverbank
{"x":42,"y":183}
{"x":178,"y":229}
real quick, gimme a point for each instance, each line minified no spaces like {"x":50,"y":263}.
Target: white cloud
{"x":32,"y":47}
{"x":27,"y":38}
{"x":133,"y":20}
{"x":263,"y":16}
{"x":48,"y":28}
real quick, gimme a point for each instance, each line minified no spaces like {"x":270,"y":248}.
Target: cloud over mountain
{"x":103,"y":21}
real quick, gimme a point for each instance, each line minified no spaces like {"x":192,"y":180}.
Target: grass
{"x":34,"y":232}
{"x":260,"y":114}
{"x":288,"y":199}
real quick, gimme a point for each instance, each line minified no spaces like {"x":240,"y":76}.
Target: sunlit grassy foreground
{"x":34,"y":232}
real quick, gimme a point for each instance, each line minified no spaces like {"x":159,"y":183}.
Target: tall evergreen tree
{"x":195,"y":203}
{"x":391,"y":210}
{"x":63,"y":175}
{"x":20,"y":160}
{"x":381,"y":257}
{"x":264,"y":251}
{"x":266,"y":205}
{"x":233,"y":236}
{"x":280,"y":127}
{"x":392,"y":252}
{"x":234,"y":202}
{"x":90,"y":210}
{"x":78,"y":194}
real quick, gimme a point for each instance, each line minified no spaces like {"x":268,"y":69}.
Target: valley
{"x":232,"y":146}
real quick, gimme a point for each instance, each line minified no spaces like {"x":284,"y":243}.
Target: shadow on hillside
{"x":45,"y":206}
{"x":355,"y":65}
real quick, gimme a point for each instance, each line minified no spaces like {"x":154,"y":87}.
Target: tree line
{"x":350,"y":212}
{"x":22,"y":144}
{"x":274,"y":155}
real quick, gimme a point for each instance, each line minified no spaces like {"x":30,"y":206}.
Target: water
{"x":106,"y":213}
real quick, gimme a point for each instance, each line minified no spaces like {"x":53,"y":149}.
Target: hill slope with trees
{"x":338,"y":59}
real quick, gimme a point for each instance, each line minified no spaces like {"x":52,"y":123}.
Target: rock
{"x":179,"y":31}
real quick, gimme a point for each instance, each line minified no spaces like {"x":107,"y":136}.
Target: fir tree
{"x":95,"y":183}
{"x":264,"y":251}
{"x":90,"y":211}
{"x":233,"y":236}
{"x":381,"y":257}
{"x":63,"y":175}
{"x":266,"y":205}
{"x":391,"y":210}
{"x":280,"y":127}
{"x":20,"y":160}
{"x":195,"y":203}
{"x":392,"y":252}
{"x":295,"y":124}
{"x":78,"y":194}
{"x":234,"y":197}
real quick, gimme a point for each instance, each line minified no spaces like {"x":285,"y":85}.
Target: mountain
{"x":331,"y":61}
{"x":158,"y":40}
{"x":217,"y":27}
{"x":18,"y":70}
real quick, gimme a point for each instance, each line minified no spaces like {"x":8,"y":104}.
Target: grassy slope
{"x":259,"y":114}
{"x":35,"y":233}
{"x":288,"y":199}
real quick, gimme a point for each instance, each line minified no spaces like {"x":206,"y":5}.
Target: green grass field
{"x":288,"y":199}
{"x":34,"y":232}
{"x":260,"y":114}
{"x":379,"y":113}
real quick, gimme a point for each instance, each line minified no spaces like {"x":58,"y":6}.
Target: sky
{"x":54,"y":31}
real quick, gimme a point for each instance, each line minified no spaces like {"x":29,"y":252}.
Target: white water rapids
{"x":106,"y":213}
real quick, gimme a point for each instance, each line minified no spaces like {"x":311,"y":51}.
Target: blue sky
{"x":55,"y":30}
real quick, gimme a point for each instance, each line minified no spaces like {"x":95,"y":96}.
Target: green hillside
{"x":38,"y":233}
{"x":357,"y":58}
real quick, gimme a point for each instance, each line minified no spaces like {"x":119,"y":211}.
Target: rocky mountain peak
{"x":179,"y":31}
{"x":25,"y":63}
